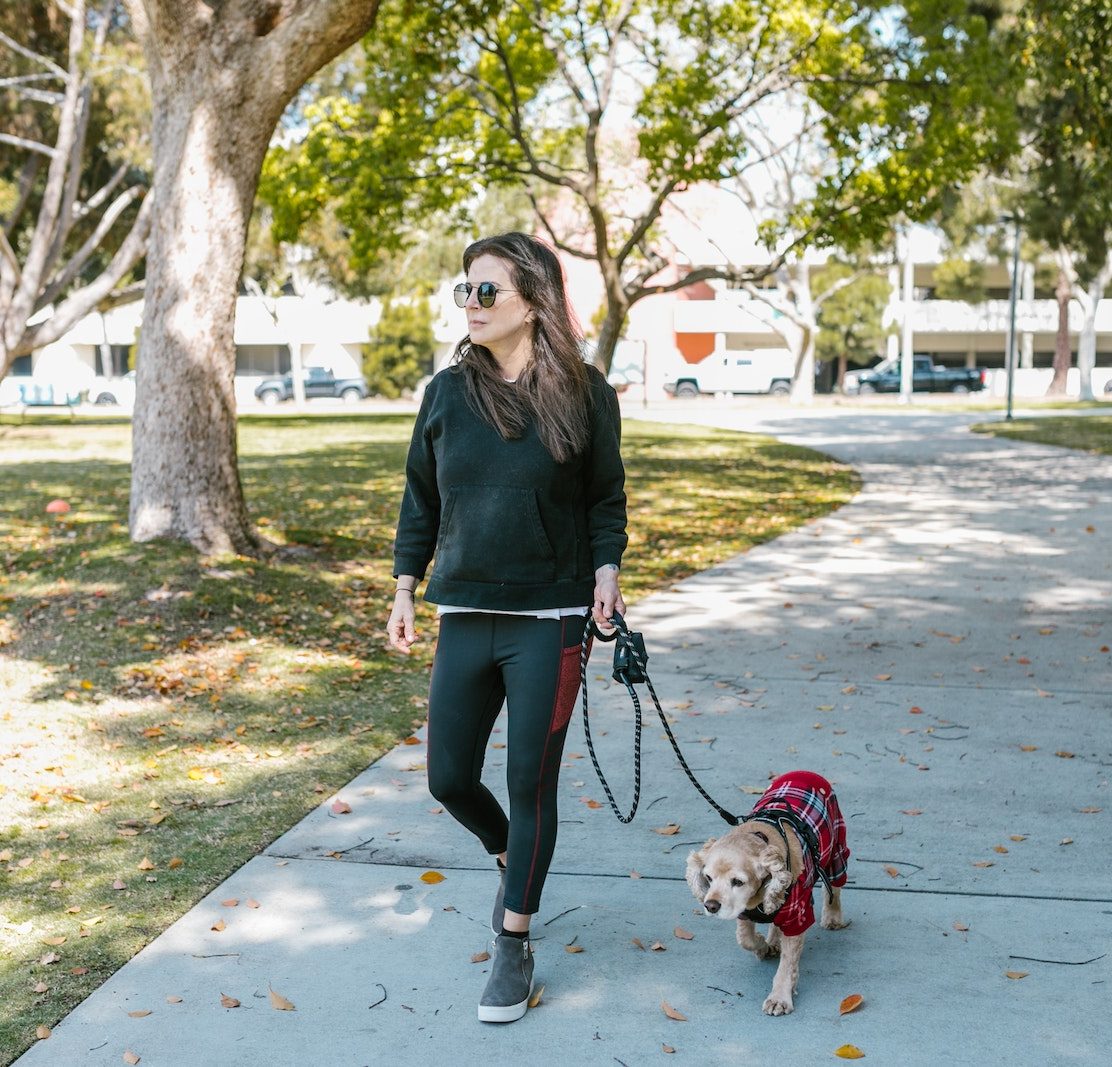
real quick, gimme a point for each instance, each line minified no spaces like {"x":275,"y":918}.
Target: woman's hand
{"x":608,"y":597}
{"x":401,"y":629}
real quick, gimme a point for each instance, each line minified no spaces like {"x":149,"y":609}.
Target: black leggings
{"x":532,"y":664}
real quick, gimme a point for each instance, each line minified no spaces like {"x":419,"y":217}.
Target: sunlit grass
{"x":1092,"y":433}
{"x":183,"y":711}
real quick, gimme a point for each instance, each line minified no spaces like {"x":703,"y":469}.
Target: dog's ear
{"x":695,"y":877}
{"x":779,"y":879}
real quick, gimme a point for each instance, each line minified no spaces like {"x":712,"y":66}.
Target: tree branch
{"x":35,"y":57}
{"x":31,"y":146}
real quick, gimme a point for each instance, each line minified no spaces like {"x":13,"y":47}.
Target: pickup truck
{"x":766,"y":370}
{"x":926,"y":378}
{"x":318,"y":382}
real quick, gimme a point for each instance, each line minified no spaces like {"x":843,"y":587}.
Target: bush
{"x":402,"y":348}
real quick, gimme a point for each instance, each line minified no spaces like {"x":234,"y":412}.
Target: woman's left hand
{"x":608,"y":597}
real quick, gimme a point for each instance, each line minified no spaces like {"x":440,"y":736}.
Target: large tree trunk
{"x":610,"y":334}
{"x":221,"y":76}
{"x":1062,"y":355}
{"x":1090,"y":298}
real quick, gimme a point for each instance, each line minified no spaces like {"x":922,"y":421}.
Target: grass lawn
{"x":1088,"y":433}
{"x":165,"y":717}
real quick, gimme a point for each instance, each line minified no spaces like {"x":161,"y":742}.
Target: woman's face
{"x":502,"y":326}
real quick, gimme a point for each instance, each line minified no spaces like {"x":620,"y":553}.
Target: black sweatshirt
{"x":511,"y":528}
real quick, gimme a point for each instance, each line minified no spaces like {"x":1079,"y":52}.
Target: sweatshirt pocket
{"x":494,"y":533}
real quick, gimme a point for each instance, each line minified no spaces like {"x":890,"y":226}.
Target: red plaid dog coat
{"x":811,"y":798}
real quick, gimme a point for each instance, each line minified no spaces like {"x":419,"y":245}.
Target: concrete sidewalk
{"x":938,"y":648}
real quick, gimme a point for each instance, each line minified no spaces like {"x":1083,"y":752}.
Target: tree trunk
{"x":221,"y":76}
{"x":1090,"y":298}
{"x":610,"y":334}
{"x":803,"y":377}
{"x":1062,"y":355}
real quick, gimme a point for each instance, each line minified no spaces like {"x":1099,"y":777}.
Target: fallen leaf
{"x":42,"y":1032}
{"x":131,"y":1057}
{"x":141,"y":1014}
{"x":279,"y":1002}
{"x":535,"y":999}
{"x":984,"y":863}
{"x":1016,"y":974}
{"x":118,"y":885}
{"x":251,"y":903}
{"x":911,"y":811}
{"x":341,"y":807}
{"x":40,"y":987}
{"x":683,"y":935}
{"x":638,"y":943}
{"x":1018,"y":837}
{"x":480,"y":957}
{"x":592,"y":804}
{"x":228,"y":1002}
{"x":916,"y":710}
{"x":219,"y":925}
{"x":667,"y":831}
{"x":175,"y":863}
{"x":672,"y":1013}
{"x":892,"y":872}
{"x":667,"y":1048}
{"x":1066,"y":841}
{"x":635,"y":874}
{"x":53,"y":940}
{"x":49,"y":958}
{"x":1000,"y":848}
{"x":657,"y":946}
{"x":412,"y":741}
{"x":573,"y":948}
{"x":1089,"y":811}
{"x":1028,"y":748}
{"x":849,"y":1052}
{"x":231,"y":902}
{"x":851,"y":1003}
{"x":1063,"y":754}
{"x":173,"y":1000}
{"x":432,"y":877}
{"x":883,"y":677}
{"x":961,"y":928}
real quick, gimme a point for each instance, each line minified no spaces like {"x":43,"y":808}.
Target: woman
{"x":515,"y":483}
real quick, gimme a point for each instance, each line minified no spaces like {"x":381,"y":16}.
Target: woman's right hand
{"x":401,"y":629}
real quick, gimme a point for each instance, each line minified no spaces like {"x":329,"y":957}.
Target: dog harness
{"x":806,"y":802}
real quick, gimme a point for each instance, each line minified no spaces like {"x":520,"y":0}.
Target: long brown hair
{"x":553,"y":389}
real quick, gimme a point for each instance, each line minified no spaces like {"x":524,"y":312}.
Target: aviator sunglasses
{"x":487,"y":292}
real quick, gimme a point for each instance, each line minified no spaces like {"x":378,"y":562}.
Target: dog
{"x":764,"y":869}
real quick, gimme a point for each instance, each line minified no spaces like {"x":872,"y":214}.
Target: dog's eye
{"x":737,"y":883}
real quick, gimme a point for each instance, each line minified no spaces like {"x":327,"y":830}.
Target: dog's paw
{"x":834,"y":922}
{"x":763,"y":950}
{"x":777,"y":1005}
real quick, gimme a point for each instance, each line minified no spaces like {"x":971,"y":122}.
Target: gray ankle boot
{"x":506,"y":997}
{"x":499,"y":914}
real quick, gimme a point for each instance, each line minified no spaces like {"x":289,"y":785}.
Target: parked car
{"x":319,"y":381}
{"x":926,"y":378}
{"x":107,"y":391}
{"x":763,"y":370}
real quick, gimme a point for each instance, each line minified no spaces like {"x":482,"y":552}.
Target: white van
{"x":758,"y":370}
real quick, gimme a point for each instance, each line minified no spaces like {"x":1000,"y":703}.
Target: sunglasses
{"x":486,"y":292}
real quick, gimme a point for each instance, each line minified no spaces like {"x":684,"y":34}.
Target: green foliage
{"x":850,"y":318}
{"x":402,"y":348}
{"x":959,"y":279}
{"x":1068,"y":108}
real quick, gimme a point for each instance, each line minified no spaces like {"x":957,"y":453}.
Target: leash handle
{"x":623,"y":631}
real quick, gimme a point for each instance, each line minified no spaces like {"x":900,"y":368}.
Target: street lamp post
{"x":1011,"y":315}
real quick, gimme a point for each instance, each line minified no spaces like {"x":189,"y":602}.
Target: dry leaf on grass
{"x":851,"y":1003}
{"x":228,"y":1002}
{"x":672,"y":1013}
{"x":42,"y":1032}
{"x":175,"y":863}
{"x":279,"y":1002}
{"x":849,"y":1052}
{"x":145,"y":864}
{"x":53,"y":940}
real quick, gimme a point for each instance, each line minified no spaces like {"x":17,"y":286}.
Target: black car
{"x":319,"y":381}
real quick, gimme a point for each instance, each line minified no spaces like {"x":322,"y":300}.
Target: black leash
{"x":629,"y":668}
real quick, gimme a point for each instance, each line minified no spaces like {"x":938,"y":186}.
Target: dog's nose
{"x":712,"y":906}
